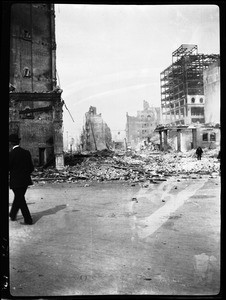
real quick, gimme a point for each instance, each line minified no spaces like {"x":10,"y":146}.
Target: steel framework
{"x":182,"y":78}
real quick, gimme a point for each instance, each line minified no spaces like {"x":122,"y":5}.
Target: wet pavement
{"x":102,"y":238}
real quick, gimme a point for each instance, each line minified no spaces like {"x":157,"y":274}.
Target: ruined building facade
{"x":35,"y":107}
{"x":96,"y":134}
{"x":140,"y":128}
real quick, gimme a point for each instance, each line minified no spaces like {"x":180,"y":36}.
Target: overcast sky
{"x":111,"y":56}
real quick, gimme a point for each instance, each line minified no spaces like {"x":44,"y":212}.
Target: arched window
{"x":192,"y":100}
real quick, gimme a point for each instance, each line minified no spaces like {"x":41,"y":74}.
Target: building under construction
{"x":182,"y":88}
{"x":190,"y":100}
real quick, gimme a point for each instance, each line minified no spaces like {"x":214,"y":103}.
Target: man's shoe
{"x":26,"y":223}
{"x":13,"y":219}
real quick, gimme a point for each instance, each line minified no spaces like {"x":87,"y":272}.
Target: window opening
{"x":205,"y":137}
{"x":27,"y":72}
{"x":213,"y":137}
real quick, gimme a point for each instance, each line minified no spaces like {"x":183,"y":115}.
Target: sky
{"x":111,"y":56}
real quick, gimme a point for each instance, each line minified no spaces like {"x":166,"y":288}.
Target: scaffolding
{"x":182,"y":78}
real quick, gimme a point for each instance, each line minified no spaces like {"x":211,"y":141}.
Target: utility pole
{"x":67,"y":140}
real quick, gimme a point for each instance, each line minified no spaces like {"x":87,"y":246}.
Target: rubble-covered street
{"x":130,"y":166}
{"x":120,"y":223}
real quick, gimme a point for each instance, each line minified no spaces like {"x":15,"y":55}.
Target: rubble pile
{"x":132,"y":167}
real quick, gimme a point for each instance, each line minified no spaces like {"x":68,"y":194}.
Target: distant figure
{"x":20,"y":168}
{"x":199,"y":153}
{"x":219,"y":155}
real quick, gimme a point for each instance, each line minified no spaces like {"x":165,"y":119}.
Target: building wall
{"x":41,"y":138}
{"x":132,"y":133}
{"x":35,"y":108}
{"x":32,"y":54}
{"x":208,"y":137}
{"x":40,"y":128}
{"x":212,"y":93}
{"x":205,"y":137}
{"x":185,"y":138}
{"x":141,"y":127}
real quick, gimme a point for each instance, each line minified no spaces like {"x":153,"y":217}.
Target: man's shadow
{"x":38,"y":215}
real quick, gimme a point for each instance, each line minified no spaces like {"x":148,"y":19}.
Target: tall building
{"x":140,"y":128}
{"x":35,"y":108}
{"x":190,"y":100}
{"x":182,"y":86}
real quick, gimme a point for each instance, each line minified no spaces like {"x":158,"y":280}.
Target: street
{"x":113,"y":238}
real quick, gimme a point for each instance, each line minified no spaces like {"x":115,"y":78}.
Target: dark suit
{"x":20,"y":167}
{"x":199,"y":153}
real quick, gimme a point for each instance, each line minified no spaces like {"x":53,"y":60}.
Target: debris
{"x":145,"y":185}
{"x":129,"y":166}
{"x":134,"y":199}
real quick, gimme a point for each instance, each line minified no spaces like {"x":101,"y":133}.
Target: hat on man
{"x":14,"y":138}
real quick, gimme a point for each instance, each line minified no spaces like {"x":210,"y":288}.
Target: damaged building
{"x":141,"y":128}
{"x":35,"y":104}
{"x":190,"y":93}
{"x":96,"y":134}
{"x":119,"y":140}
{"x":211,"y":81}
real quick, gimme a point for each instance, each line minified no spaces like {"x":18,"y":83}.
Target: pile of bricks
{"x":132,"y":168}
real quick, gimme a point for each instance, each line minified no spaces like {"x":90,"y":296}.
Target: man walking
{"x":199,"y":153}
{"x":20,"y":168}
